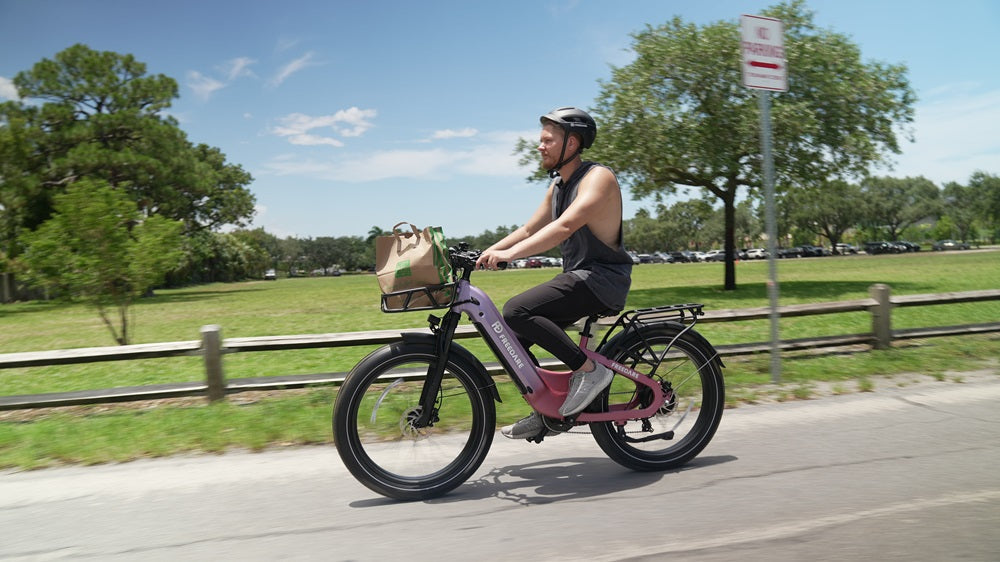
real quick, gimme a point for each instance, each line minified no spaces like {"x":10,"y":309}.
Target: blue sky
{"x":353,"y":114}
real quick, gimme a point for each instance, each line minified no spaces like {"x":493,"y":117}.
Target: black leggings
{"x":541,"y":314}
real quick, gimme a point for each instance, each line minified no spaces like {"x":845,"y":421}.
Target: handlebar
{"x":464,"y":258}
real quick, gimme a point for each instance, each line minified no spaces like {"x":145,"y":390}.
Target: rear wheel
{"x":691,"y":377}
{"x":375,"y":433}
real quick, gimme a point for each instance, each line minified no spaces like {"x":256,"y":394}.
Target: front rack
{"x":420,"y":298}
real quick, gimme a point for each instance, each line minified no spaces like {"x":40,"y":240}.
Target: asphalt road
{"x":909,"y":473}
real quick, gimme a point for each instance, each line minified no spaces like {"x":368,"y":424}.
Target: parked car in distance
{"x":682,"y":257}
{"x":635,"y":258}
{"x":534,"y":261}
{"x":880,"y":248}
{"x":270,"y":275}
{"x":714,"y":255}
{"x":942,"y":245}
{"x":808,"y":251}
{"x":905,"y":246}
{"x":756,"y":254}
{"x":785,"y":253}
{"x":662,"y":257}
{"x":845,"y":249}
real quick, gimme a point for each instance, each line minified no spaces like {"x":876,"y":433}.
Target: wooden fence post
{"x":881,"y":315}
{"x":211,"y":347}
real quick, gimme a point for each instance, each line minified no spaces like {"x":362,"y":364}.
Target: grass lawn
{"x":350,"y":303}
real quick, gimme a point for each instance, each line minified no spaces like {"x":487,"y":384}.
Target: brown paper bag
{"x":406,"y":260}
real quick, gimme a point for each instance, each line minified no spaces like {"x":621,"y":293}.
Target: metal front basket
{"x":421,"y":298}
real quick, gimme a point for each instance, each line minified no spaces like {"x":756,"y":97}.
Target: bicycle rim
{"x":377,"y":438}
{"x":691,"y":378}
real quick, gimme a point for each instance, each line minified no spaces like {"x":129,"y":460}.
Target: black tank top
{"x":607,"y":271}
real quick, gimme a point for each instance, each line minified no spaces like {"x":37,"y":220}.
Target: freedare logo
{"x":498,"y":328}
{"x":625,"y":370}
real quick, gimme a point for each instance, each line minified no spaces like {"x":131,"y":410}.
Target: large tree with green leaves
{"x":828,"y":210}
{"x":99,"y":248}
{"x":677,"y":115}
{"x":98,"y":115}
{"x":961,"y":207}
{"x":894,"y":204}
{"x":987,"y":189}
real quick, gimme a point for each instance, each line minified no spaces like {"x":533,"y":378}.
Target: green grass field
{"x":350,"y":303}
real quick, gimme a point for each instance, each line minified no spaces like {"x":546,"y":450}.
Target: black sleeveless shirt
{"x":606,"y":271}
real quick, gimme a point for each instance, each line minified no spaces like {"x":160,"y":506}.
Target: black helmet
{"x":573,"y":120}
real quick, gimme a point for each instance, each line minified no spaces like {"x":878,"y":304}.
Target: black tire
{"x":385,"y":452}
{"x":694,"y":376}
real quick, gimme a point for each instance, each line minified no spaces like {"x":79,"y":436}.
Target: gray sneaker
{"x":527,"y":428}
{"x":584,"y":388}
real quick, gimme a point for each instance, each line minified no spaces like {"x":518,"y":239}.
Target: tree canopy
{"x":677,"y":115}
{"x":101,"y":117}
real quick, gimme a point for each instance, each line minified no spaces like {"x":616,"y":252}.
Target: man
{"x":582,"y":214}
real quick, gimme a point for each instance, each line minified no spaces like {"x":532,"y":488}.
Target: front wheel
{"x":375,"y":433}
{"x":690,"y":375}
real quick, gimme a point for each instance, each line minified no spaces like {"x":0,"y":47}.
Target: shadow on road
{"x":550,"y":481}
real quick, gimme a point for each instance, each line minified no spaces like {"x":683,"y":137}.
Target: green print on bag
{"x":403,"y":269}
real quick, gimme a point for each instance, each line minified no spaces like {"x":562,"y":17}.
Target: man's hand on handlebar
{"x":494,"y":259}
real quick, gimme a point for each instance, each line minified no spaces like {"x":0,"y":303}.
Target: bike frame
{"x":544,"y":389}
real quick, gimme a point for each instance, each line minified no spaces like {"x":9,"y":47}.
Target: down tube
{"x":475,"y":304}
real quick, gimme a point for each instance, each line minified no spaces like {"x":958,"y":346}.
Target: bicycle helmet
{"x":571,"y":120}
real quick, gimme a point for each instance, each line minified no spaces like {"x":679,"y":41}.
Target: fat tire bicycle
{"x":415,"y":418}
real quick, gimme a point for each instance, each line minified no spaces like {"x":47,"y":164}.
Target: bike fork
{"x":445,"y":332}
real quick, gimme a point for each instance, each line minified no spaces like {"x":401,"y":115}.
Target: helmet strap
{"x":562,"y":161}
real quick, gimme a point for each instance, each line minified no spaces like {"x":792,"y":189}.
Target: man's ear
{"x":572,"y":144}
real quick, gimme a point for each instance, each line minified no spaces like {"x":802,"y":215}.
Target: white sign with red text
{"x":763,"y":53}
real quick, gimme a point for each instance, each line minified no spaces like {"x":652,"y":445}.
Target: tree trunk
{"x":729,"y":202}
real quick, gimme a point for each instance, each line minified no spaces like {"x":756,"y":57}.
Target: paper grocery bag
{"x":412,"y":259}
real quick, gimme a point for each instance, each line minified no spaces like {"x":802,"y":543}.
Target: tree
{"x":678,"y":115}
{"x":691,"y":221}
{"x":99,"y":248}
{"x":644,"y":233}
{"x":961,"y":207}
{"x":893,"y":204}
{"x":101,"y":118}
{"x":829,"y":209}
{"x":987,"y":190}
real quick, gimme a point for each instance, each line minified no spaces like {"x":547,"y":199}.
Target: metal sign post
{"x":764,"y":69}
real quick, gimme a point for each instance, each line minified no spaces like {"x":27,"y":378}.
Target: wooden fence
{"x":213,"y":348}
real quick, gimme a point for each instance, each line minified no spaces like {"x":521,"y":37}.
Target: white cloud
{"x":314,"y":140}
{"x":493,"y":157}
{"x":8,"y":90}
{"x":352,"y":122}
{"x":203,"y":86}
{"x":238,"y":67}
{"x":292,"y":67}
{"x":954,"y":136}
{"x":453,"y":134}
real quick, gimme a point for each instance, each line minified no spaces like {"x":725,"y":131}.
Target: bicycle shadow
{"x":550,"y":481}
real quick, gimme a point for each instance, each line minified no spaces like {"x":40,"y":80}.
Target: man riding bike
{"x":582,"y":214}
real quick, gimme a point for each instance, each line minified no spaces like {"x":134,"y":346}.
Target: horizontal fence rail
{"x":212,"y":348}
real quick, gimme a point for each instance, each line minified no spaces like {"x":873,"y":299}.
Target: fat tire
{"x":709,"y":413}
{"x":367,"y":471}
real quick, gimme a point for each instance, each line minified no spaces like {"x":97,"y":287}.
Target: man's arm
{"x":597,"y":204}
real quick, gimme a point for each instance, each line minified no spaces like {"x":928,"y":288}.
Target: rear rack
{"x":420,"y":298}
{"x":634,"y":320}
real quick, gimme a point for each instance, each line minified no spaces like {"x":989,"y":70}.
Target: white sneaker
{"x":526,"y":428}
{"x":584,"y":388}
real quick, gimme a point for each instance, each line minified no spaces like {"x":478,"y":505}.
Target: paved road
{"x":904,"y":474}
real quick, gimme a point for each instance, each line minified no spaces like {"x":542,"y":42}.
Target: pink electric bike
{"x":416,"y":418}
